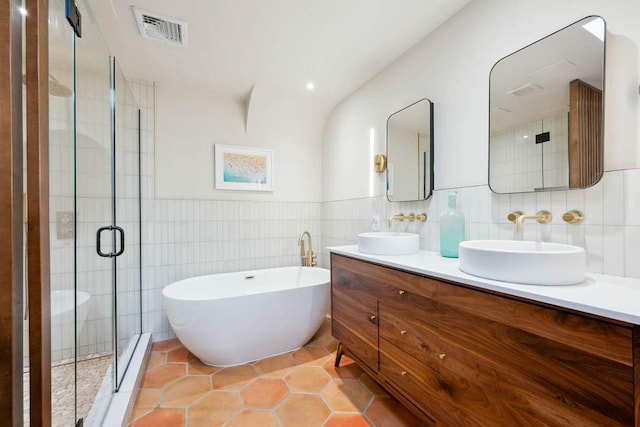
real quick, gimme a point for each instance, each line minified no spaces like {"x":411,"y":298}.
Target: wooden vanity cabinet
{"x":459,"y":356}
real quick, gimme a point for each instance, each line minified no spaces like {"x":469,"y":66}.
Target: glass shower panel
{"x":62,"y":216}
{"x":127,"y":203}
{"x":94,"y":274}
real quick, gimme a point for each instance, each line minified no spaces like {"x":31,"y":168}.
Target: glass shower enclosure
{"x":95,"y":217}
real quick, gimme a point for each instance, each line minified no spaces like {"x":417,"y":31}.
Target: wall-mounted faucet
{"x":518,"y":217}
{"x":411,"y":217}
{"x":308,"y":258}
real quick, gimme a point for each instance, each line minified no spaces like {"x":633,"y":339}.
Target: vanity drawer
{"x":463,"y":311}
{"x":420,"y":382}
{"x":409,"y":328}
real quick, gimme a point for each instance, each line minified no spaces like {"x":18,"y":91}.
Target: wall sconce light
{"x":380,"y":163}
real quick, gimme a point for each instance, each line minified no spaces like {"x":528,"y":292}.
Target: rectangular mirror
{"x":410,"y":153}
{"x":546,"y":112}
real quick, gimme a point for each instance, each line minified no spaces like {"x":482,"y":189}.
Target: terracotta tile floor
{"x":297,"y":389}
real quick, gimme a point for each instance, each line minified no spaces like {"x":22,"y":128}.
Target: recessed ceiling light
{"x":310,"y":86}
{"x":525,"y":136}
{"x":22,"y":11}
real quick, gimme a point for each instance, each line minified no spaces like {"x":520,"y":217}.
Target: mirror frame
{"x":602,"y":114}
{"x":431,"y":147}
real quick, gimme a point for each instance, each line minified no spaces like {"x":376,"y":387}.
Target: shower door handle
{"x":98,"y":243}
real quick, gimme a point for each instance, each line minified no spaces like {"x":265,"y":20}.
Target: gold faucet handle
{"x":544,"y":217}
{"x":513,"y":216}
{"x":421,"y":217}
{"x":573,"y":217}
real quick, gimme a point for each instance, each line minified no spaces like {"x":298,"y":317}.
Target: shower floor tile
{"x":298,"y":389}
{"x":90,"y":373}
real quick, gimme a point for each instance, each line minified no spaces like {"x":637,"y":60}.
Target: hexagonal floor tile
{"x":166,"y":345}
{"x":196,"y":367}
{"x":162,"y":417}
{"x":373,"y":386}
{"x":348,"y":369}
{"x":163,"y":375}
{"x":311,"y":355}
{"x":234,"y":378}
{"x":215,"y":408}
{"x":387,"y":411}
{"x":156,"y":359}
{"x":302,"y":410}
{"x":185,"y":391}
{"x":310,"y":379}
{"x":179,"y":355}
{"x":253,"y":419}
{"x":276,"y":366}
{"x":264,"y":393}
{"x":346,"y":395}
{"x":347,"y":420}
{"x":147,"y":400}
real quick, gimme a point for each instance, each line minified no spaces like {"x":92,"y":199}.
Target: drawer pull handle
{"x":404,"y":373}
{"x":372,"y":318}
{"x":401,"y":292}
{"x":442,"y":356}
{"x":403,"y":332}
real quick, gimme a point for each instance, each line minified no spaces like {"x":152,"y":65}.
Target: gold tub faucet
{"x":308,"y":257}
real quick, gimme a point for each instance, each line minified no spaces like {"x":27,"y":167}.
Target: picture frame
{"x":243,"y":168}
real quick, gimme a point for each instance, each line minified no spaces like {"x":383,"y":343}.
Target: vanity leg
{"x":339,"y":353}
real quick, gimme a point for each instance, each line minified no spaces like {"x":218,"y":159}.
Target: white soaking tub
{"x":234,"y":318}
{"x":65,"y":320}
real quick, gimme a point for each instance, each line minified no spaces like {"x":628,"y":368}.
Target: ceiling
{"x":236,"y":44}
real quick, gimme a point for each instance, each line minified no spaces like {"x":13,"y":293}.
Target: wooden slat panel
{"x":11,"y":239}
{"x":585,"y":134}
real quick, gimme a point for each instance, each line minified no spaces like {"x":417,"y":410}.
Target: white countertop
{"x":612,"y":297}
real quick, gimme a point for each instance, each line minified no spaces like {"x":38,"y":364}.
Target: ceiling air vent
{"x":160,"y":27}
{"x":525,"y":89}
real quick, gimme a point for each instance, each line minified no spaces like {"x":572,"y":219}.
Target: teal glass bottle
{"x":451,"y":228}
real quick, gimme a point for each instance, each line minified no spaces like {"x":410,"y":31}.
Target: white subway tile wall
{"x":610,"y":233}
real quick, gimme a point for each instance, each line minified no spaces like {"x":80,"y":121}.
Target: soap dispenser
{"x":451,"y":228}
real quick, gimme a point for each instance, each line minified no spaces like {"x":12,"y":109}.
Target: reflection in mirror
{"x":410,"y":153}
{"x":546,"y":112}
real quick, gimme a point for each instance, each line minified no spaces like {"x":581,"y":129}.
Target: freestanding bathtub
{"x":234,"y":318}
{"x":65,"y":321}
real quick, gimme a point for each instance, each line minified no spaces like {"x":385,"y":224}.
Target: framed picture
{"x":243,"y":168}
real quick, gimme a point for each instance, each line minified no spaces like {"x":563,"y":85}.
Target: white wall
{"x":191,"y":120}
{"x":451,"y":67}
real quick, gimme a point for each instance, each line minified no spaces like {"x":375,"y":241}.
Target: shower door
{"x":103,"y":174}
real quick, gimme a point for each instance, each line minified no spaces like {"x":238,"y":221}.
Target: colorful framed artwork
{"x":243,"y":168}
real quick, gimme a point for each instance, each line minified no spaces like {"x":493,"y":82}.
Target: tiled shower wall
{"x":610,"y":234}
{"x":518,"y":163}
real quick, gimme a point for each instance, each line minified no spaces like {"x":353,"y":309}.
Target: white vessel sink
{"x":388,"y":243}
{"x":531,"y":263}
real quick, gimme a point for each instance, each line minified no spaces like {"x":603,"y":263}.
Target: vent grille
{"x":525,"y":89}
{"x":155,"y":26}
